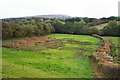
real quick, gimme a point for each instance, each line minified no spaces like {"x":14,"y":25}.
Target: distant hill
{"x":52,"y":16}
{"x":42,"y":16}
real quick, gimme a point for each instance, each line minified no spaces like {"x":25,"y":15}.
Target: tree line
{"x":112,"y":29}
{"x":27,"y":27}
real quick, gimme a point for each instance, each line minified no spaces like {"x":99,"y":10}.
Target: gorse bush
{"x":7,"y":30}
{"x":10,"y":30}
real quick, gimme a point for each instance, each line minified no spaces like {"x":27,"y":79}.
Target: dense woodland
{"x":27,"y":27}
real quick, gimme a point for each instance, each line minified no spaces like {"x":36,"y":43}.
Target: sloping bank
{"x":104,"y":66}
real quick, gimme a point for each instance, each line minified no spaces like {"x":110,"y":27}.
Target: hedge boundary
{"x":104,"y":65}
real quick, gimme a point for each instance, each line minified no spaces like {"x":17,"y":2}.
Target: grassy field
{"x":0,"y":59}
{"x":115,"y":48}
{"x":101,"y":26}
{"x":68,"y":60}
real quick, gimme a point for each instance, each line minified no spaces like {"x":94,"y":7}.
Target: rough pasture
{"x":59,"y":56}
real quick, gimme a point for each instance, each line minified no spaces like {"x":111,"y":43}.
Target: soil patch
{"x":28,"y":42}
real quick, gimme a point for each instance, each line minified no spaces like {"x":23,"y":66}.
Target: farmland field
{"x":66,"y":56}
{"x":101,"y":26}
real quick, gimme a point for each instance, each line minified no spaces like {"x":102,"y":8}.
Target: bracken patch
{"x":28,"y":42}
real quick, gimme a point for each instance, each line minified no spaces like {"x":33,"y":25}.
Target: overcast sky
{"x":81,"y":8}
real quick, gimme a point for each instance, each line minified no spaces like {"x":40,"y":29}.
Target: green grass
{"x":101,"y":26}
{"x":114,"y":40}
{"x":0,"y":58}
{"x":0,"y":64}
{"x":115,"y":48}
{"x":68,"y":60}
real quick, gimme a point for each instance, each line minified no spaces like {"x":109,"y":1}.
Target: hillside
{"x":101,"y":26}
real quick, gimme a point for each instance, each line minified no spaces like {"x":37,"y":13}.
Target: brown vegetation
{"x":27,"y":42}
{"x":52,"y":46}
